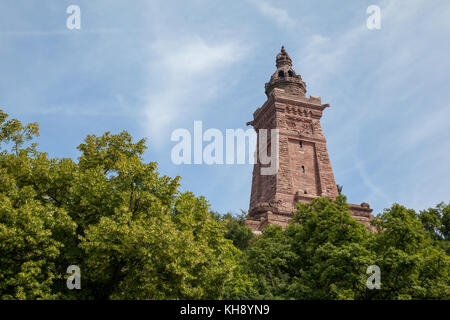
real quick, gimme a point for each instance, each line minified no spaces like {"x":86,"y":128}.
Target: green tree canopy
{"x":135,"y":235}
{"x":325,"y":254}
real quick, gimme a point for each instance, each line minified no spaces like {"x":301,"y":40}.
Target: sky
{"x":150,"y":67}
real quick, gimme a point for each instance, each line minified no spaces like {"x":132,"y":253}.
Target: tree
{"x":130,"y":230}
{"x":268,"y":260}
{"x":236,"y":230}
{"x":12,"y":131}
{"x":324,"y":254}
{"x":33,"y":231}
{"x":164,"y":253}
{"x":436,"y":222}
{"x":331,"y":250}
{"x":412,"y":267}
{"x":140,"y":237}
{"x":134,"y":235}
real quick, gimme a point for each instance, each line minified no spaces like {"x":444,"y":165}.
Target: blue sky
{"x":150,"y":67}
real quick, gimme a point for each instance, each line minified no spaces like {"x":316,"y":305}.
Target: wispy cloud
{"x":426,"y":127}
{"x":188,"y":71}
{"x":374,"y":189}
{"x":385,"y":117}
{"x":280,"y":16}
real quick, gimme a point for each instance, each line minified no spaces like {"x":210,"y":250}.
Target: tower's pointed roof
{"x":285,"y":77}
{"x":283,"y":58}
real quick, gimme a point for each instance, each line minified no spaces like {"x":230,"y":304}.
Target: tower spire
{"x":283,"y":58}
{"x":285,"y":77}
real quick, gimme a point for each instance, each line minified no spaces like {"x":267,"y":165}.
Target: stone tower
{"x":304,"y":171}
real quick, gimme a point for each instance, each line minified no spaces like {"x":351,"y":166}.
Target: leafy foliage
{"x":130,"y":230}
{"x":437,"y":222}
{"x":236,"y":230}
{"x":324,"y":254}
{"x":134,"y":235}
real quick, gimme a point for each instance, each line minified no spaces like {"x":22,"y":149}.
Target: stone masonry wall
{"x":305,"y":170}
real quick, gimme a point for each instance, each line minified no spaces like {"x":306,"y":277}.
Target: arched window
{"x":281,"y":74}
{"x":290,"y":73}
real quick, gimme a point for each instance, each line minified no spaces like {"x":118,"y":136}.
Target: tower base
{"x":267,"y":214}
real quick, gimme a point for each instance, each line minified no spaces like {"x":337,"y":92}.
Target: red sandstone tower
{"x":304,"y":171}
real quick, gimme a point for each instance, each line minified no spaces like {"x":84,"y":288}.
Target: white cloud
{"x":326,"y":54}
{"x":280,"y":16}
{"x":188,"y":72}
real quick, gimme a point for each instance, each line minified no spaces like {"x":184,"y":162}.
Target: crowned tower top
{"x":283,"y":58}
{"x":285,"y":77}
